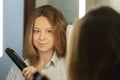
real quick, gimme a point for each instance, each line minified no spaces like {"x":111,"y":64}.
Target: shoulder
{"x":14,"y":68}
{"x":61,"y":61}
{"x":58,"y":61}
{"x":61,"y":65}
{"x":14,"y":73}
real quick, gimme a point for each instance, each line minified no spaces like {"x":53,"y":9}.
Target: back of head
{"x":95,"y":46}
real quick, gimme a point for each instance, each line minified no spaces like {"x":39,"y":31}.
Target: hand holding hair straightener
{"x":20,"y":64}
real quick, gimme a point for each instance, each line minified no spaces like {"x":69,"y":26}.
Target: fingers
{"x":28,"y":72}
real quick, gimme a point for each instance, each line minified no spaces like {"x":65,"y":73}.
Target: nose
{"x":42,"y":36}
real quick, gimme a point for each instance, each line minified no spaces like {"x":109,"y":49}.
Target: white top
{"x":54,"y":70}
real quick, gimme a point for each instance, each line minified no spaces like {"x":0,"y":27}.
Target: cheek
{"x":34,"y":38}
{"x":52,"y":40}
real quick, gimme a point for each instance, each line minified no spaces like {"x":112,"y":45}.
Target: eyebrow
{"x":36,"y":27}
{"x":39,"y":28}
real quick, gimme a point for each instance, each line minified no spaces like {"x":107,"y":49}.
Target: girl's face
{"x":43,"y":37}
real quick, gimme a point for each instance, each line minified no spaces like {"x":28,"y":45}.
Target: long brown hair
{"x":95,"y":46}
{"x":59,"y":23}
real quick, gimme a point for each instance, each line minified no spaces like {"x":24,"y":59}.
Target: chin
{"x":43,"y":49}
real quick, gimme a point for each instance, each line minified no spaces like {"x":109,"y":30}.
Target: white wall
{"x":90,"y":4}
{"x":115,"y":4}
{"x":40,"y":3}
{"x":70,"y":8}
{"x":12,"y":32}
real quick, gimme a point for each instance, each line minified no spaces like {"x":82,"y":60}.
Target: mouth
{"x":42,"y":44}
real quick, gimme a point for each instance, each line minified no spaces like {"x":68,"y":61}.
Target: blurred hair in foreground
{"x":94,"y":52}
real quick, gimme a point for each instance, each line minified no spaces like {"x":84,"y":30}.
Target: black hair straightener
{"x":20,"y":63}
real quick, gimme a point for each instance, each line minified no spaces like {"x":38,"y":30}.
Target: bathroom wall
{"x":115,"y":4}
{"x":40,"y":3}
{"x":12,"y":32}
{"x":69,"y":8}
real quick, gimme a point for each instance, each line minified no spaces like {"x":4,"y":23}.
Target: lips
{"x":42,"y":44}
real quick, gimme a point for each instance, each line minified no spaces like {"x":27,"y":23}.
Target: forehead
{"x":42,"y":22}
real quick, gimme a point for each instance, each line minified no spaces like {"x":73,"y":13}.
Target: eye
{"x":49,"y":30}
{"x":36,"y":31}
